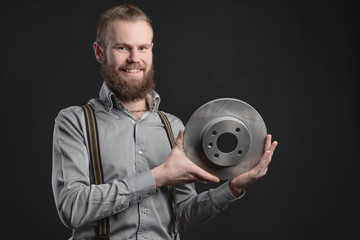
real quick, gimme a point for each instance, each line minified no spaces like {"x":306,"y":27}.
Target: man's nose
{"x":134,"y":56}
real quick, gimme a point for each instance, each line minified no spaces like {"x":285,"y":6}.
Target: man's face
{"x":127,"y":67}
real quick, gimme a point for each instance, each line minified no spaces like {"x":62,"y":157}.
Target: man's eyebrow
{"x":129,"y":45}
{"x":121,"y":44}
{"x":146,"y":45}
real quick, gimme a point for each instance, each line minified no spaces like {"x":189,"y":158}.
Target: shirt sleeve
{"x":77,"y":200}
{"x":197,"y":208}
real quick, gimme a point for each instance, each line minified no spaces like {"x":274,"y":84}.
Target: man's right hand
{"x":177,"y":169}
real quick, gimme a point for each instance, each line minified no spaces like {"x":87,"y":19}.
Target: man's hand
{"x":177,"y":169}
{"x":239,"y":183}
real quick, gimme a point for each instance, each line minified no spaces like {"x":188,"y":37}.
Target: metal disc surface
{"x":225,"y":137}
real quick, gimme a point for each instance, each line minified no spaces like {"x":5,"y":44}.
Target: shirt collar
{"x":108,"y":97}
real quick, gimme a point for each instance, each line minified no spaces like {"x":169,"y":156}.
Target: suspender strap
{"x":95,"y":163}
{"x":176,"y":223}
{"x":95,"y":160}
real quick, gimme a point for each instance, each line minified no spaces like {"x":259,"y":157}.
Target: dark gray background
{"x":296,"y":62}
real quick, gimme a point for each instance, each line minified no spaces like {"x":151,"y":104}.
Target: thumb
{"x":204,"y":176}
{"x":180,"y":139}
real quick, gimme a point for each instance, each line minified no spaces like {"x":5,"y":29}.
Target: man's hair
{"x":124,"y":12}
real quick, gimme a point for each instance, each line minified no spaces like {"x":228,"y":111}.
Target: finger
{"x":203,"y":176}
{"x":273,"y":146}
{"x":200,"y":180}
{"x":180,"y":139}
{"x":267,"y":142}
{"x":266,"y":159}
{"x":264,"y":162}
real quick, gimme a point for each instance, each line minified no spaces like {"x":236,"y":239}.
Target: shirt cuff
{"x":222,"y":196}
{"x":141,"y":185}
{"x":240,"y":195}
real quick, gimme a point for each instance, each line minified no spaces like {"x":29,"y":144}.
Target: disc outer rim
{"x":218,"y":108}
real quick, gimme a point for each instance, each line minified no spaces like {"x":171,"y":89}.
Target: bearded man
{"x":138,"y":163}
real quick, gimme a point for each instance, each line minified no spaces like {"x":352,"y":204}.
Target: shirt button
{"x":140,"y":152}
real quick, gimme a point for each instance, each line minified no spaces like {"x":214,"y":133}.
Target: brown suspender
{"x":103,"y":232}
{"x":176,"y":223}
{"x":95,"y":160}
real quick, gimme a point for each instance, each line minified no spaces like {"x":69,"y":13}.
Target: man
{"x":137,"y":161}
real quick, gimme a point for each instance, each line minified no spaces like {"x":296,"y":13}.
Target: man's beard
{"x":126,"y":88}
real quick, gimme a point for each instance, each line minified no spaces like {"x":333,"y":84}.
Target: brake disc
{"x":225,"y":137}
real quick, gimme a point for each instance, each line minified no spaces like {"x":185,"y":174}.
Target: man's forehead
{"x":130,"y":29}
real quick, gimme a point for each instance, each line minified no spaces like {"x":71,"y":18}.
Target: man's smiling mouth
{"x":132,"y":70}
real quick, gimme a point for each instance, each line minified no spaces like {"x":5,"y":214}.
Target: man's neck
{"x":139,"y":104}
{"x":136,"y":107}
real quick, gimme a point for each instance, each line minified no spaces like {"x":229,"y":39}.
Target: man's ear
{"x":99,"y":52}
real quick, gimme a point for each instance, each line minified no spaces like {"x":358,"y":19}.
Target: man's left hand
{"x":239,"y":183}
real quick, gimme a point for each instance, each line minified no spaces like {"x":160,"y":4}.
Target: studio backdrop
{"x":295,"y":62}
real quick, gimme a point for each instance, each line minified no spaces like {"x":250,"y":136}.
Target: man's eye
{"x":122,"y":48}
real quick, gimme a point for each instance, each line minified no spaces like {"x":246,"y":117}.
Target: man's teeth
{"x":132,"y":70}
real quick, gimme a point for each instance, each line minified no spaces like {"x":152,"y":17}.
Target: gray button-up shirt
{"x":129,"y":150}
